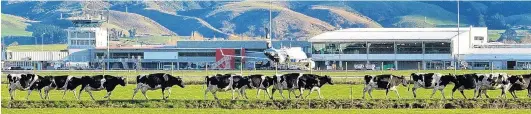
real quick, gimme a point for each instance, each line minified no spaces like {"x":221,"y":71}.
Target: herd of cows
{"x":292,"y":82}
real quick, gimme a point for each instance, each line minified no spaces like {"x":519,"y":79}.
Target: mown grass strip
{"x":282,"y":104}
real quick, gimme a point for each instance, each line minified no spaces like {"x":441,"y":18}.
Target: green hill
{"x":14,"y":26}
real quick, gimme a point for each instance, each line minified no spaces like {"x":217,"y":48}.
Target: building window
{"x":478,"y":38}
{"x":381,"y":48}
{"x":409,"y":48}
{"x":354,"y":48}
{"x":437,"y":48}
{"x":197,"y":54}
{"x":318,"y":49}
{"x":332,"y":48}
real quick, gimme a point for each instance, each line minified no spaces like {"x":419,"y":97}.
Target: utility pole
{"x":458,"y":40}
{"x":42,"y":41}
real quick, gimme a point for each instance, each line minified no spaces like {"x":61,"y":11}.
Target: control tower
{"x":84,"y":36}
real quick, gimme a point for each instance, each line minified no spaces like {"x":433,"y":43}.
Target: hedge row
{"x":283,"y":104}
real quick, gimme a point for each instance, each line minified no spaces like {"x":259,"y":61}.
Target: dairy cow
{"x":156,"y":81}
{"x":65,"y":83}
{"x":433,"y":81}
{"x":22,"y":82}
{"x":465,"y":82}
{"x":100,"y":82}
{"x":385,"y":82}
{"x":260,"y":82}
{"x":226,"y":82}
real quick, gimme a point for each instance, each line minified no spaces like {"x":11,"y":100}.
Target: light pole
{"x":42,"y":41}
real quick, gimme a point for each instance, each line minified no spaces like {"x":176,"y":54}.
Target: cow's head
{"x":518,"y":79}
{"x":175,"y":80}
{"x":326,"y":79}
{"x":403,"y":80}
{"x":122,"y":80}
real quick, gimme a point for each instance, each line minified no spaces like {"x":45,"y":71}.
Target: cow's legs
{"x":433,"y":92}
{"x":108,"y":96}
{"x":144,"y":90}
{"x":442,"y":92}
{"x":90,"y":93}
{"x":267,"y":92}
{"x":414,"y":89}
{"x":396,"y":91}
{"x":169,"y":93}
{"x":214,"y":94}
{"x":301,"y":90}
{"x":386,"y":93}
{"x":64,"y":93}
{"x":258,"y":93}
{"x":311,"y":91}
{"x":73,"y":91}
{"x":40,"y":94}
{"x":319,"y":93}
{"x":529,"y":92}
{"x":163,"y":94}
{"x":486,"y":95}
{"x":29,"y":93}
{"x":453,"y":90}
{"x":365,"y":89}
{"x":206,"y":91}
{"x":242,"y":92}
{"x":233,"y":94}
{"x":462,"y":93}
{"x":513,"y":94}
{"x":135,"y":91}
{"x":370,"y":93}
{"x":47,"y":94}
{"x":11,"y":92}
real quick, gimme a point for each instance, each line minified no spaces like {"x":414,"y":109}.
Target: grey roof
{"x":239,"y":44}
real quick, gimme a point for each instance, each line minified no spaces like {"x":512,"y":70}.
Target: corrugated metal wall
{"x":37,"y":56}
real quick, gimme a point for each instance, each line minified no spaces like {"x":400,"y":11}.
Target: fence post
{"x":351,"y":85}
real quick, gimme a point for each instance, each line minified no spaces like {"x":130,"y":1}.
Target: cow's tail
{"x":138,"y":79}
{"x":206,"y":81}
{"x":410,"y":78}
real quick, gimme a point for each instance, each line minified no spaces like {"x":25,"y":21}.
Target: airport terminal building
{"x":417,"y":48}
{"x":353,"y":49}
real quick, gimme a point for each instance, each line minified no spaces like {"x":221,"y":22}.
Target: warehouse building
{"x":416,"y":48}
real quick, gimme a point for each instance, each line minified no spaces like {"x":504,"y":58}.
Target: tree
{"x":132,"y":33}
{"x":14,"y":44}
{"x":196,"y":36}
{"x":526,"y":39}
{"x":481,"y":20}
{"x":50,"y":34}
{"x":509,"y":34}
{"x":497,"y":21}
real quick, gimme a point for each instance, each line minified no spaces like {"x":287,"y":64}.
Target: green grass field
{"x":196,"y":92}
{"x":48,"y":47}
{"x":14,"y":26}
{"x":259,"y":111}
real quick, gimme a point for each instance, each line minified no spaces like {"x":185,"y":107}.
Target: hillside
{"x":14,"y":26}
{"x":290,"y":19}
{"x":143,"y":25}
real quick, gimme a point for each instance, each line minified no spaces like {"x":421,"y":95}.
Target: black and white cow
{"x":301,"y":81}
{"x":465,"y":82}
{"x":313,"y":85}
{"x":156,"y":81}
{"x":100,"y":82}
{"x":22,"y":82}
{"x":225,"y":83}
{"x":433,"y":81}
{"x":286,"y":82}
{"x":492,"y":81}
{"x":386,"y":81}
{"x":518,"y":83}
{"x":64,"y":83}
{"x":260,"y":82}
